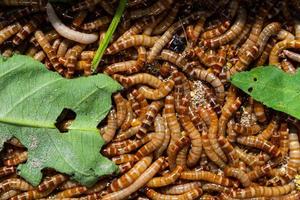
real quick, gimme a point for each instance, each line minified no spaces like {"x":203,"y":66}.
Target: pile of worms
{"x":178,"y":130}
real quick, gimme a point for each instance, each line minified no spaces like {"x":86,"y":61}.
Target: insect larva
{"x":149,"y":29}
{"x":246,"y":130}
{"x":231,"y":134}
{"x":63,"y":47}
{"x":197,"y":121}
{"x":294,"y":159}
{"x":127,"y":134}
{"x":14,"y":184}
{"x":181,"y":188}
{"x":107,"y":7}
{"x":113,"y":151}
{"x":131,"y":41}
{"x":79,"y":18}
{"x":229,"y":150}
{"x":9,"y":31}
{"x":7,"y":170}
{"x":140,"y":98}
{"x":44,"y":43}
{"x":65,"y":31}
{"x":167,"y":36}
{"x":217,"y":31}
{"x":52,"y":182}
{"x":110,"y":129}
{"x":9,"y":194}
{"x":124,"y":158}
{"x":152,"y":111}
{"x":16,"y":159}
{"x":211,"y":154}
{"x":156,"y":94}
{"x":181,"y":159}
{"x":259,"y":111}
{"x":239,"y":174}
{"x":98,"y":187}
{"x":124,"y":167}
{"x":32,"y":194}
{"x":96,"y":24}
{"x":140,"y":78}
{"x":211,"y":187}
{"x":174,"y":148}
{"x":237,"y":42}
{"x":292,"y":55}
{"x":165,"y":180}
{"x":231,"y":34}
{"x":230,"y":107}
{"x":269,"y":30}
{"x":120,"y":67}
{"x":287,"y":66}
{"x":263,"y":191}
{"x":284,"y":138}
{"x":206,"y":176}
{"x":72,"y":192}
{"x":267,"y":133}
{"x":249,"y":159}
{"x":196,"y":142}
{"x":166,"y":140}
{"x":121,"y":108}
{"x":156,"y":141}
{"x":129,"y":117}
{"x":189,"y":195}
{"x":166,"y":23}
{"x":291,"y":196}
{"x":67,"y":185}
{"x":253,"y":141}
{"x":155,"y":9}
{"x":40,"y":56}
{"x":260,"y":171}
{"x":71,"y":59}
{"x":279,"y":47}
{"x":138,"y":183}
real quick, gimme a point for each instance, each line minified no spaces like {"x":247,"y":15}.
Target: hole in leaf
{"x":250,"y":89}
{"x":64,"y":120}
{"x":255,"y":79}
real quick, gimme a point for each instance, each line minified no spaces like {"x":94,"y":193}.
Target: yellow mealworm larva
{"x":9,"y":31}
{"x":121,"y":108}
{"x":189,"y":195}
{"x":110,"y":129}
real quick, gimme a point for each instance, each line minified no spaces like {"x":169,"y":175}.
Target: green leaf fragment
{"x":32,"y":98}
{"x":272,"y":87}
{"x":108,"y":35}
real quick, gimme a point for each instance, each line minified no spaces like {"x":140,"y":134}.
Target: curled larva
{"x":65,"y":31}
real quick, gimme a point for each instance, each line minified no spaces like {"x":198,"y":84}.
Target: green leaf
{"x":108,"y":35}
{"x":32,"y":98}
{"x":272,"y":87}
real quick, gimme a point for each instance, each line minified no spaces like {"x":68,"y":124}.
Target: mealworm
{"x":131,"y":41}
{"x":127,"y":134}
{"x":124,"y":158}
{"x":9,"y":31}
{"x":155,"y":9}
{"x":4,"y":171}
{"x":246,"y":130}
{"x":264,"y":145}
{"x":72,"y":192}
{"x":217,"y":31}
{"x":206,"y":176}
{"x":71,"y":59}
{"x":166,"y":179}
{"x":279,"y":47}
{"x":259,"y":111}
{"x":140,"y":78}
{"x":142,"y":102}
{"x":27,"y":29}
{"x":32,"y":194}
{"x":267,"y":133}
{"x":292,"y":55}
{"x":79,"y":18}
{"x":231,"y":34}
{"x":181,"y":188}
{"x":110,"y":129}
{"x":36,"y":3}
{"x":65,"y":31}
{"x":121,"y":108}
{"x":237,"y":42}
{"x":156,"y":141}
{"x":196,"y":142}
{"x":83,"y":5}
{"x":138,"y":183}
{"x":284,"y":139}
{"x":293,"y":163}
{"x":9,"y":194}
{"x":229,"y":150}
{"x":152,"y":111}
{"x":14,"y":184}
{"x":159,"y":93}
{"x":263,"y":191}
{"x":16,"y":159}
{"x":249,"y":159}
{"x":52,"y":182}
{"x":44,"y":43}
{"x":120,"y":67}
{"x":260,"y":171}
{"x":63,"y":47}
{"x":269,"y":30}
{"x":190,"y":195}
{"x":124,"y":167}
{"x":68,"y":184}
{"x":238,"y":174}
{"x":96,"y":24}
{"x":129,"y":117}
{"x":211,"y":187}
{"x":174,"y":148}
{"x":166,"y":140}
{"x":287,"y":66}
{"x":291,"y":196}
{"x":115,"y":151}
{"x":167,"y":36}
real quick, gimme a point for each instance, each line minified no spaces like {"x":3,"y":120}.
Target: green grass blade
{"x":108,"y":35}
